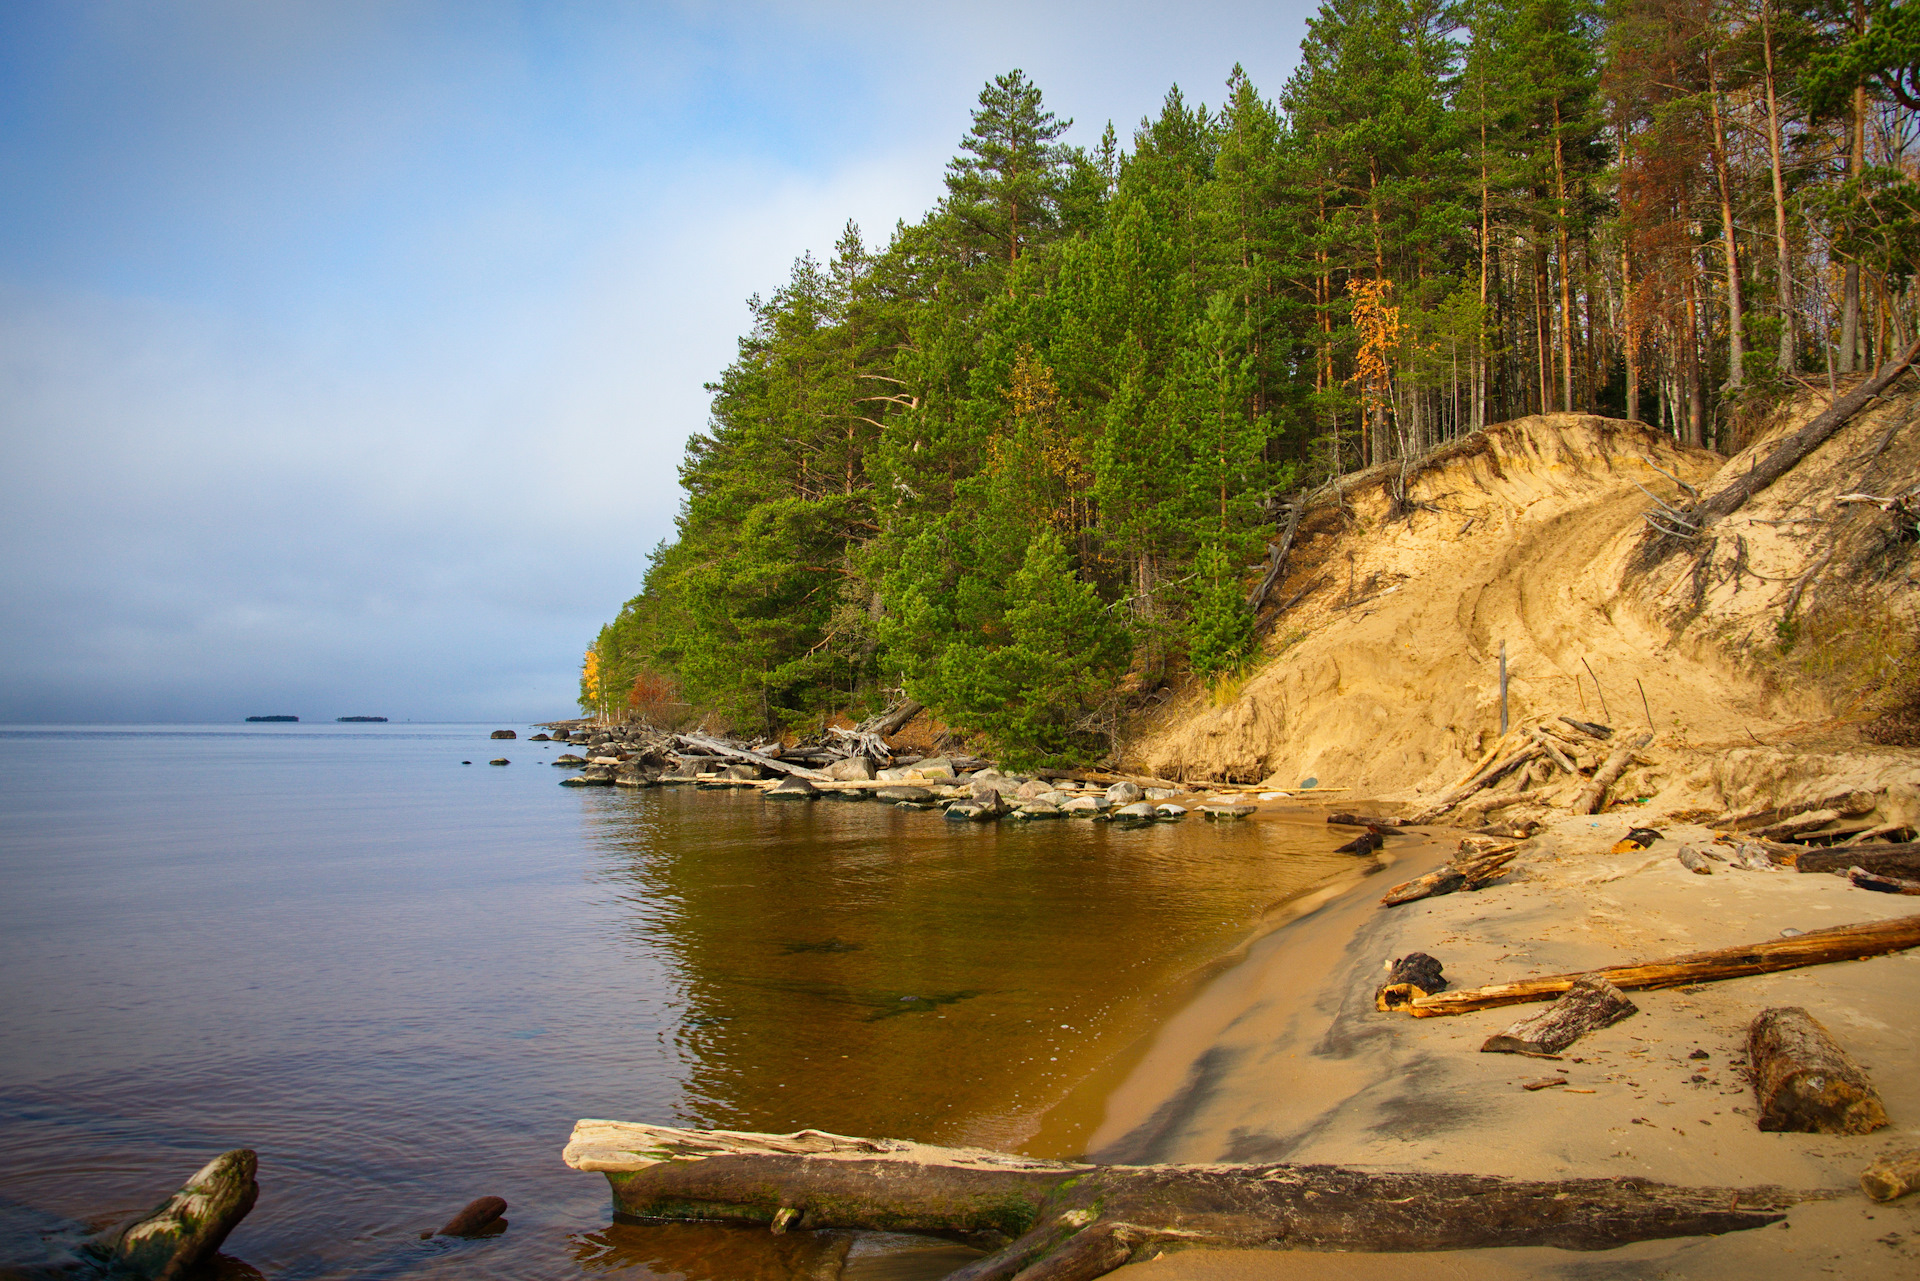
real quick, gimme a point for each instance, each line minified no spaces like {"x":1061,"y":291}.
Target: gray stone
{"x":1162,"y":793}
{"x":1124,"y":793}
{"x":792,"y":789}
{"x":503,"y":733}
{"x":851,"y":769}
{"x":1170,"y":811}
{"x":1033,"y":789}
{"x":567,"y":760}
{"x":1138,"y":812}
{"x":934,"y":767}
{"x":499,"y":760}
{"x":1038,"y":809}
{"x":743,"y":773}
{"x":188,"y":1227}
{"x":1085,"y":806}
{"x":903,"y":793}
{"x":1219,"y":811}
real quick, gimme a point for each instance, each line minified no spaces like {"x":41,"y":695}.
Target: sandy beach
{"x":1284,"y":1057}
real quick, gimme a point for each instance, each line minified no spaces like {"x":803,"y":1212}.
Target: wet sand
{"x":1284,"y":1058}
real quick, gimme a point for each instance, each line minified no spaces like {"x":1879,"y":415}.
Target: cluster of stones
{"x":966,"y":795}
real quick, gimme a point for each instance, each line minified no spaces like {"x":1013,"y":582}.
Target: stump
{"x":1068,"y":1221}
{"x":1590,"y":1004}
{"x":1893,"y":1176}
{"x":1804,"y":1081}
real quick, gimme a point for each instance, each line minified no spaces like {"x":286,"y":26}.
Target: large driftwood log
{"x":893,"y":720}
{"x":1888,"y":860}
{"x":1466,"y":871}
{"x":1278,"y":564}
{"x":1064,"y":1221}
{"x":1804,"y":1082}
{"x":1861,"y":879}
{"x":717,"y":748}
{"x":1590,"y":1004}
{"x":1482,"y":778}
{"x":1594,"y":794}
{"x":187,"y":1228}
{"x":1816,"y":947}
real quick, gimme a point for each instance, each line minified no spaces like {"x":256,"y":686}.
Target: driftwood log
{"x":1595,"y":793}
{"x":1816,"y":947}
{"x":715,"y":747}
{"x":893,"y":720}
{"x":1343,"y":819}
{"x":1861,"y":878}
{"x":1888,"y":860}
{"x":187,"y":1228}
{"x":1064,"y":1221}
{"x":1804,"y":1082}
{"x":1892,"y":1176}
{"x":1467,"y":871}
{"x":1415,"y":974}
{"x":1277,"y":561}
{"x":1590,"y":1004}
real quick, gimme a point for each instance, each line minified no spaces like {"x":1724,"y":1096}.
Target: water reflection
{"x":876,"y":971}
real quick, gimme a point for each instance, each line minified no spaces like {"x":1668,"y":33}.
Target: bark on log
{"x":1892,"y":1176}
{"x":715,"y":747}
{"x":188,"y":1227}
{"x":1804,"y":1082}
{"x":1590,"y":1004}
{"x":1460,"y":874}
{"x":1590,"y":798}
{"x":1694,"y":861}
{"x":1861,"y":878}
{"x":1888,"y":860}
{"x":1070,"y":1222}
{"x":1816,"y":947}
{"x":893,"y":720}
{"x":1364,"y":820}
{"x":1591,"y":729}
{"x":1488,"y":775}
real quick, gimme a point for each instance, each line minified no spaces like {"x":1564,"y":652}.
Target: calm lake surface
{"x":401,"y":979}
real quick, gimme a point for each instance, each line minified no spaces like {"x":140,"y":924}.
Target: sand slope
{"x":1384,"y":678}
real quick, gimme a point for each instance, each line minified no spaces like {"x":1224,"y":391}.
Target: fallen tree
{"x":1065,"y":1221}
{"x":1816,"y":947}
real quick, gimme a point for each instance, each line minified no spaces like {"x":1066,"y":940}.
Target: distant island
{"x":360,"y":720}
{"x":273,"y":718}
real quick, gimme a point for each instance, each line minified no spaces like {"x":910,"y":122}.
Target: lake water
{"x":401,"y":979}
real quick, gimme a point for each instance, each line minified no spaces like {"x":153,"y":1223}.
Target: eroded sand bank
{"x":1285,"y":1058}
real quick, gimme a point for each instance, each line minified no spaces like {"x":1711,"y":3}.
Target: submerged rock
{"x":1038,"y":809}
{"x":567,"y":760}
{"x":478,"y":1217}
{"x":1215,"y":810}
{"x":904,"y":793}
{"x":1085,"y":806}
{"x":540,"y":738}
{"x":188,"y":1227}
{"x":1170,"y":811}
{"x":503,"y":733}
{"x":793,"y":789}
{"x":1138,"y":812}
{"x":499,"y":760}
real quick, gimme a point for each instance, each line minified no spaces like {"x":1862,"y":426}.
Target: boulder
{"x":934,"y":767}
{"x":581,"y":780}
{"x":977,"y":811}
{"x":503,"y":733}
{"x":187,"y":1228}
{"x":1085,"y":806}
{"x":568,"y":760}
{"x":478,"y":1216}
{"x":982,"y":788}
{"x":743,"y":773}
{"x":1124,"y":793}
{"x":1038,"y":809}
{"x":903,"y":793}
{"x":852,"y":769}
{"x":793,"y":789}
{"x":1138,"y":812}
{"x":1033,"y":789}
{"x":540,"y":738}
{"x":895,"y":774}
{"x":631,"y":778}
{"x":1162,"y":793}
{"x":1224,"y":811}
{"x":1166,"y":810}
{"x":499,"y":760}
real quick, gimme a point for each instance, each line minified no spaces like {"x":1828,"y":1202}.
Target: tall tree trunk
{"x":1736,"y":327}
{"x":1566,"y":264}
{"x":1856,"y":161}
{"x":1542,"y":342}
{"x":1783,"y":262}
{"x":1690,"y":362}
{"x":1480,"y":345}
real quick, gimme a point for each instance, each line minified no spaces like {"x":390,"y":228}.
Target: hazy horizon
{"x":350,"y":348}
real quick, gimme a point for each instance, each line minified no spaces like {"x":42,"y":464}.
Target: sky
{"x":347,"y":350}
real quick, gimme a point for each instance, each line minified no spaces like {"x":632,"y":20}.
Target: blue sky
{"x":347,"y":350}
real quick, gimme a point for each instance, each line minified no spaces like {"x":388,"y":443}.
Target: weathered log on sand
{"x":1804,"y":1082}
{"x":1489,"y":775}
{"x":717,"y":748}
{"x":1061,"y":1221}
{"x":1587,"y":1006}
{"x":1888,"y":860}
{"x":1860,"y":878}
{"x":188,"y":1227}
{"x":1816,"y":947}
{"x":1364,"y":820}
{"x":1463,"y":873}
{"x":1415,"y":974}
{"x":1892,"y":1176}
{"x":1591,"y":797}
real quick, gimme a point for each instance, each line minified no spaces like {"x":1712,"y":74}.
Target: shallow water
{"x":401,"y":979}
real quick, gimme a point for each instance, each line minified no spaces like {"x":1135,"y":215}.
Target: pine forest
{"x":1022,"y":461}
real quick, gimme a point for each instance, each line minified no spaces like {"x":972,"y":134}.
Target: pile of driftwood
{"x":1522,"y":766}
{"x":1480,"y":861}
{"x":650,"y":753}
